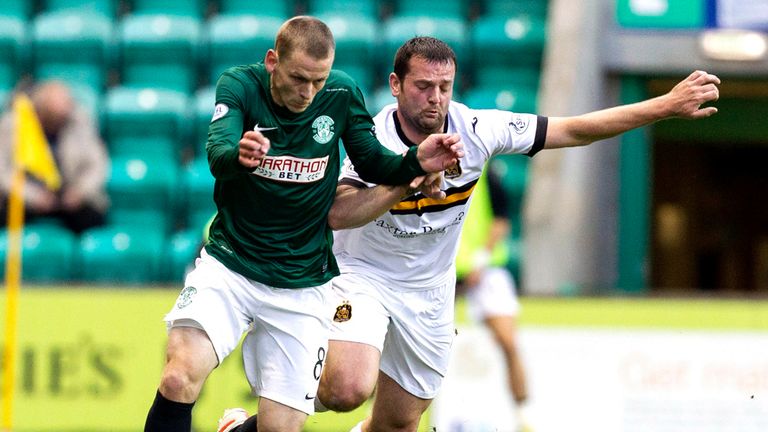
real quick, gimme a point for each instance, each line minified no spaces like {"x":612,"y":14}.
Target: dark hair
{"x":307,"y":34}
{"x":428,"y":48}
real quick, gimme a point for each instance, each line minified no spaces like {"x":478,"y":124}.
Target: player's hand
{"x":439,"y":151}
{"x":428,"y":185}
{"x":686,"y":98}
{"x":253,"y":147}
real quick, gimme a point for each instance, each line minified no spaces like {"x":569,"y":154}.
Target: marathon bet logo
{"x":322,"y":129}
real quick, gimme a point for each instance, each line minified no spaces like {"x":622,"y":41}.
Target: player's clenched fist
{"x":440,"y":151}
{"x":253,"y":147}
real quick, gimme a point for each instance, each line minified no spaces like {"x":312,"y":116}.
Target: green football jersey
{"x":271,"y":224}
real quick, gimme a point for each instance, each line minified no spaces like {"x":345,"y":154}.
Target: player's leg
{"x":190,"y":359}
{"x":504,"y":330}
{"x":360,"y":323}
{"x":394,"y":409}
{"x":203,"y":329}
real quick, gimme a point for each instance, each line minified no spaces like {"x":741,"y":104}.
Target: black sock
{"x":247,"y":426}
{"x":169,"y":416}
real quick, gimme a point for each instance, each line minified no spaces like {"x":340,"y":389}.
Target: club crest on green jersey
{"x":322,"y":129}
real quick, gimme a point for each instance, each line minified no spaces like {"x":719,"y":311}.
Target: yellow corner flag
{"x":31,"y":155}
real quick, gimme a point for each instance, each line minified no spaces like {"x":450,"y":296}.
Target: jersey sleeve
{"x":511,"y":133}
{"x":372,"y":161}
{"x":226,"y":128}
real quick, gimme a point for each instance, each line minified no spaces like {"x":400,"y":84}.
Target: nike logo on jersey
{"x":258,"y":128}
{"x":308,"y":397}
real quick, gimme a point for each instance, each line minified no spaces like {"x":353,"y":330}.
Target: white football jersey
{"x":415,"y":243}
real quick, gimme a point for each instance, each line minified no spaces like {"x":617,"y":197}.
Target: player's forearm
{"x":599,"y":125}
{"x":354,"y":207}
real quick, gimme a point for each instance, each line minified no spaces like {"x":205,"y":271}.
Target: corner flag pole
{"x":12,"y":289}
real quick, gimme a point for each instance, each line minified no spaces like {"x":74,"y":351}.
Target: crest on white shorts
{"x":343,"y":312}
{"x":185,"y":297}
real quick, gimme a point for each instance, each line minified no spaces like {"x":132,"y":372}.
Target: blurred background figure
{"x":487,"y":284}
{"x":79,"y":153}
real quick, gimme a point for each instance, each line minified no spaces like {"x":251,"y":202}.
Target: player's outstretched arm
{"x":439,"y":151}
{"x":683,"y":101}
{"x":355,"y":206}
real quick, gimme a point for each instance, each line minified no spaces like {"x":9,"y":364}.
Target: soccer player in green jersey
{"x":265,"y":271}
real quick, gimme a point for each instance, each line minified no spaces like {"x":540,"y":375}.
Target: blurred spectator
{"x":80,"y":155}
{"x":488,"y":285}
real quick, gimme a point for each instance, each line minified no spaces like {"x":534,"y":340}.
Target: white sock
{"x":358,"y":427}
{"x":319,"y":407}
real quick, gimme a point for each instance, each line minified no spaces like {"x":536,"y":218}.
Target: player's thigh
{"x":394,"y":408}
{"x":276,"y":417}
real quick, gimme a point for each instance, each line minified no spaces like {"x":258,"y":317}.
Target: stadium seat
{"x":398,"y":29}
{"x":381,"y":97}
{"x":19,"y":9}
{"x":517,"y":99}
{"x":197,"y":185}
{"x":72,"y":47}
{"x":280,"y":9}
{"x":513,"y":170}
{"x":503,"y":8}
{"x":143,"y":191}
{"x":179,"y":8}
{"x":121,"y":254}
{"x":48,"y":252}
{"x":13,"y":50}
{"x":499,"y":43}
{"x":205,"y":99}
{"x":454,"y":9}
{"x":159,"y":51}
{"x":183,"y":247}
{"x":107,"y":8}
{"x":355,"y":37}
{"x":350,"y":8}
{"x":238,"y":39}
{"x":146,"y":121}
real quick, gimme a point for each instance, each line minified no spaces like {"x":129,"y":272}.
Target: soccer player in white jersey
{"x":396,"y":249}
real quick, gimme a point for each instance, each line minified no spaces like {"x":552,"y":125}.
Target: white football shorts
{"x":287,"y":329}
{"x":413,"y":329}
{"x":494,"y":295}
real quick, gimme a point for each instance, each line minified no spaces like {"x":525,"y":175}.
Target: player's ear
{"x":270,"y":60}
{"x":394,"y":84}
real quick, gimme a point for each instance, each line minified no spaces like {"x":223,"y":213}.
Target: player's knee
{"x":343,"y":398}
{"x":178,"y":385}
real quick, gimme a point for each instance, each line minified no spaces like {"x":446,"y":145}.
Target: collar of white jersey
{"x":401,"y":133}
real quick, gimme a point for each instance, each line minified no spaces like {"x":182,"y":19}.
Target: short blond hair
{"x":306,"y":34}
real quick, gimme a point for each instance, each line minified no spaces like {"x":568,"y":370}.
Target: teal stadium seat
{"x":533,"y":8}
{"x":205,"y":100}
{"x":454,"y":9}
{"x":73,"y":47}
{"x":237,"y":40}
{"x":107,"y":8}
{"x":183,"y":247}
{"x":143,"y":192}
{"x":355,"y":37}
{"x":21,"y":9}
{"x":146,"y":122}
{"x":507,"y":50}
{"x":351,"y":8}
{"x":159,"y":51}
{"x":197,"y":185}
{"x":122,"y":254}
{"x":48,"y":253}
{"x":180,"y":8}
{"x":398,"y":29}
{"x":513,"y":171}
{"x":510,"y":98}
{"x":13,"y":50}
{"x":280,"y":9}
